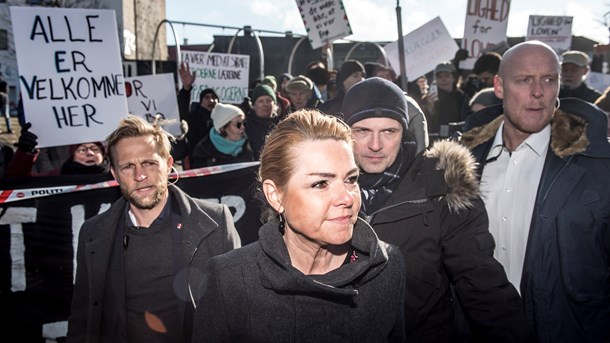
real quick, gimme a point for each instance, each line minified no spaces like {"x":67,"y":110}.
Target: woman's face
{"x":322,"y":198}
{"x":88,"y":154}
{"x":235,"y":129}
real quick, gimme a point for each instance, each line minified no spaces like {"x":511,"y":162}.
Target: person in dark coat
{"x":428,"y":205}
{"x":544,"y":178}
{"x":318,"y":273}
{"x":134,"y":260}
{"x":574,"y":69}
{"x":198,"y":117}
{"x":261,"y":118}
{"x":226,"y":143}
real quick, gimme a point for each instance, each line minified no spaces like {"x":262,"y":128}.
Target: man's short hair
{"x":134,"y":126}
{"x":489,"y":61}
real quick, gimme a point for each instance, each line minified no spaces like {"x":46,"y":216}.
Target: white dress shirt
{"x":509,"y":185}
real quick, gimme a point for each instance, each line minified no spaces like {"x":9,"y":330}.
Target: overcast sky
{"x":375,"y":20}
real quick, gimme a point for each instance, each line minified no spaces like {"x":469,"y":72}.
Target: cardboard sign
{"x":485,"y":28}
{"x":324,"y":21}
{"x":226,"y":74}
{"x":70,"y":73}
{"x":152,"y":95}
{"x":555,"y":31}
{"x":425,"y":47}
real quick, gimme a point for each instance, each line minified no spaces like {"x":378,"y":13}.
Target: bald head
{"x":519,"y":51}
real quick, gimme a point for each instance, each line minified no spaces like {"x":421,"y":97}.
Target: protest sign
{"x":598,"y":81}
{"x":324,"y":21}
{"x":485,"y":28}
{"x":226,"y":74}
{"x":425,"y":47}
{"x":152,"y":95}
{"x":70,"y":73}
{"x":556,"y":31}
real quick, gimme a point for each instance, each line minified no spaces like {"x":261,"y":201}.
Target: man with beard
{"x":135,"y":260}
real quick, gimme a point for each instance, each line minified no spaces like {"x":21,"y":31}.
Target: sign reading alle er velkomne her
{"x":70,"y":73}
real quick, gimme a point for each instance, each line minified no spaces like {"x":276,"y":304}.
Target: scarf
{"x":72,"y":168}
{"x":377,"y":188}
{"x":226,"y":146}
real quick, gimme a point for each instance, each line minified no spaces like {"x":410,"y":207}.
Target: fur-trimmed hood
{"x":568,"y":134}
{"x":459,"y":173}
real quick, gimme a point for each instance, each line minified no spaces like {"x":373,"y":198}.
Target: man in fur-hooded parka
{"x":428,"y":205}
{"x":564,"y":269}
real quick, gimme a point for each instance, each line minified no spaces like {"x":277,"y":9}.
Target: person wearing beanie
{"x":282,"y":102}
{"x":282,"y":81}
{"x":351,"y":72}
{"x":446,"y":103}
{"x":226,"y":142}
{"x":574,"y":70}
{"x":264,"y":114}
{"x":428,"y":205}
{"x":301,"y":93}
{"x":197,"y":116}
{"x":86,"y":158}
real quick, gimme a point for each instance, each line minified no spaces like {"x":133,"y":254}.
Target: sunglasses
{"x":240,"y":124}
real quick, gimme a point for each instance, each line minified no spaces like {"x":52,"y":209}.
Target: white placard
{"x":556,"y":31}
{"x":425,"y":47}
{"x":151,"y":95}
{"x":226,"y":74}
{"x":325,"y":21}
{"x":70,"y":72}
{"x":486,"y":23}
{"x":598,"y":81}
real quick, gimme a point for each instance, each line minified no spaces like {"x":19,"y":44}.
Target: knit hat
{"x":374,"y":98}
{"x":446,"y":67}
{"x":270,"y":81}
{"x":263,"y":90}
{"x":299,"y":83}
{"x":222,"y":114}
{"x":348,"y":68}
{"x":285,"y":76}
{"x":205,"y":92}
{"x":577,"y":57}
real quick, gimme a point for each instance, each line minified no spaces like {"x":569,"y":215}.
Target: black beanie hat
{"x":205,"y":92}
{"x":348,"y":68}
{"x":374,"y":98}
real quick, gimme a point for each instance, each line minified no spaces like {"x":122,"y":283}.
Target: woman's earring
{"x":282,"y":226}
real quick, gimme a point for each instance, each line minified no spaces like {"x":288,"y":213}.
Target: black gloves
{"x":27,"y":140}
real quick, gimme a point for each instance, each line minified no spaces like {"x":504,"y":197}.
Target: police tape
{"x":13,"y":195}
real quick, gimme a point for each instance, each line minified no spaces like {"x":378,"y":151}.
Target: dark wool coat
{"x":207,"y":228}
{"x":439,"y":222}
{"x":566,"y":274}
{"x":253,"y":294}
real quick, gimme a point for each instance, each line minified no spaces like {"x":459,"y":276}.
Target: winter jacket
{"x":253,"y":294}
{"x":207,"y":155}
{"x":439,"y":222}
{"x":583,"y":92}
{"x":99,"y":294}
{"x":565,"y":283}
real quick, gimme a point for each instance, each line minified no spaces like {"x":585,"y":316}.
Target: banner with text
{"x":325,"y":21}
{"x":226,"y":74}
{"x":152,"y":95}
{"x":70,"y":72}
{"x":485,"y":28}
{"x":556,"y":31}
{"x":425,"y":47}
{"x":38,"y":238}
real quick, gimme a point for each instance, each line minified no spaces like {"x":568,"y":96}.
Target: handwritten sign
{"x":325,"y":21}
{"x":556,"y":31}
{"x":70,"y":73}
{"x":152,"y":95}
{"x":226,"y":74}
{"x":598,"y":81}
{"x":485,"y":28}
{"x":425,"y":47}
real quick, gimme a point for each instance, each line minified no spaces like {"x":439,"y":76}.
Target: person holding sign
{"x":198,"y":117}
{"x":226,"y":142}
{"x":135,"y":260}
{"x":318,"y":273}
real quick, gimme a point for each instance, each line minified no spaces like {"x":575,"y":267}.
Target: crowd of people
{"x":470,"y":207}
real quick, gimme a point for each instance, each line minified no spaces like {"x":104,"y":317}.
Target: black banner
{"x":37,"y":242}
